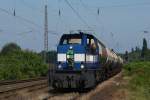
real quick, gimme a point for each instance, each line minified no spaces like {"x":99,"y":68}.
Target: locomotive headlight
{"x":59,"y":66}
{"x":67,"y":56}
{"x":82,"y":66}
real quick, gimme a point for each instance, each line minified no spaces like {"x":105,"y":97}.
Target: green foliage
{"x":8,"y":48}
{"x":137,"y":49}
{"x":139,"y":85}
{"x":132,"y":50}
{"x":51,"y":56}
{"x":144,"y":48}
{"x":126,"y":56}
{"x":136,"y":55}
{"x":19,"y":64}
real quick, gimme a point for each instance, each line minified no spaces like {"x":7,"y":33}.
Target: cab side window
{"x":91,"y":45}
{"x":100,"y":48}
{"x":88,"y":42}
{"x":65,"y":41}
{"x":92,"y":41}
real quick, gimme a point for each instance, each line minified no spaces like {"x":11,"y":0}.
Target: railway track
{"x":64,"y":95}
{"x":10,"y":89}
{"x":39,"y":90}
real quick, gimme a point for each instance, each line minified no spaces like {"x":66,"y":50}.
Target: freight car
{"x":83,"y":61}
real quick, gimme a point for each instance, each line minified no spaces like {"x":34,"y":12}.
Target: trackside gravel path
{"x":110,"y":89}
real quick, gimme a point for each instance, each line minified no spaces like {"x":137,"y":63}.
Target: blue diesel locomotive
{"x":83,"y":61}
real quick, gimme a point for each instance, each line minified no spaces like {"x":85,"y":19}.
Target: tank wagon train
{"x":83,"y":61}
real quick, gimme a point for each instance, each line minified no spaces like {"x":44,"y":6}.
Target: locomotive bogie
{"x":74,"y":79}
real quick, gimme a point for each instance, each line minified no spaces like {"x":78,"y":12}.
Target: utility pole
{"x":46,"y":34}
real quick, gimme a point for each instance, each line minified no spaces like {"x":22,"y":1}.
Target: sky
{"x":120,"y":23}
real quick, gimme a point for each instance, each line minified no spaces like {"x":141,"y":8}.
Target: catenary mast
{"x":46,"y":33}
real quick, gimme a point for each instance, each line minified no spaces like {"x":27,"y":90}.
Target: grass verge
{"x":139,"y":83}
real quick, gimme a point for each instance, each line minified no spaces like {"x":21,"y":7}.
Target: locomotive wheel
{"x":102,"y":76}
{"x":97,"y":77}
{"x":106,"y":76}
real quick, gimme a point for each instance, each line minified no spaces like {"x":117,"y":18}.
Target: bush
{"x":10,"y":47}
{"x":19,"y":64}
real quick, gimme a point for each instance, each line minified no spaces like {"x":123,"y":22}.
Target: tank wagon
{"x":83,"y":61}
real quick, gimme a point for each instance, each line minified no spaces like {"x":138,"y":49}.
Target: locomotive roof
{"x":82,"y":33}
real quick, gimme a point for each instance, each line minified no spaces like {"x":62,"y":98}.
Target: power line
{"x":28,"y":21}
{"x":53,"y":33}
{"x":31,"y":7}
{"x":124,"y":5}
{"x":98,"y":19}
{"x":25,"y":20}
{"x":67,"y":2}
{"x":20,"y":17}
{"x":25,"y":32}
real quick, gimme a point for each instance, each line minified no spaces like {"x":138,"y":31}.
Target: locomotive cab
{"x":74,"y":51}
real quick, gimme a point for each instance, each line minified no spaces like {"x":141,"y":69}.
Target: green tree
{"x":126,"y":56}
{"x":144,"y":48}
{"x":10,"y":47}
{"x":51,"y":56}
{"x":132,"y":50}
{"x":137,"y":49}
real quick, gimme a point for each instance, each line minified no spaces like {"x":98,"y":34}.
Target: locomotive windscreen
{"x":71,"y":39}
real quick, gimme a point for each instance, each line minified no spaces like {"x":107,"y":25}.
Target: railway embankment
{"x":133,"y":83}
{"x":138,"y":74}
